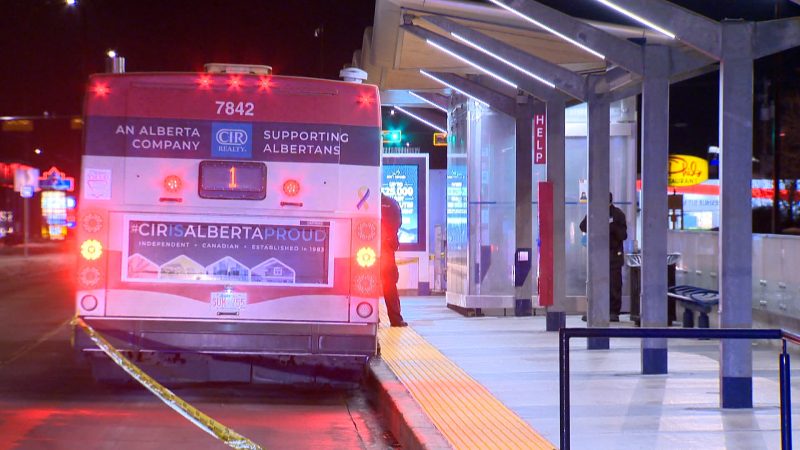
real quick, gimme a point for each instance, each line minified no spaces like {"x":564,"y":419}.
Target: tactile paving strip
{"x":461,"y":408}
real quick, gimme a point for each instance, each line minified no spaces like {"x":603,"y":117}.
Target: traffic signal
{"x":392,"y":136}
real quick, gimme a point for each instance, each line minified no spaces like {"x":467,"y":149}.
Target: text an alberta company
{"x":152,"y":137}
{"x":210,"y":231}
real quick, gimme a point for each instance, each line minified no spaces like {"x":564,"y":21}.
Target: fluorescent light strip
{"x":541,"y":25}
{"x":427,"y":101}
{"x":453,"y":88}
{"x":637,"y":18}
{"x":486,"y":71}
{"x":503,"y":60}
{"x":409,"y":113}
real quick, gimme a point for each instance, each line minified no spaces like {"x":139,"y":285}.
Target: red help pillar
{"x":545,"y":218}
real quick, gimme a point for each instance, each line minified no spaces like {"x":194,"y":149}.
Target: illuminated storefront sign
{"x":685,"y":170}
{"x":56,"y":180}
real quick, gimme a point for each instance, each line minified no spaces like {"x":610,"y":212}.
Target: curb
{"x":401,"y":414}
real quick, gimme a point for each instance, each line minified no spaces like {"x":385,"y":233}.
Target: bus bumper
{"x":229,"y":338}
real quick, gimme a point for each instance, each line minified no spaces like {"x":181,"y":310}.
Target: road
{"x":48,"y":399}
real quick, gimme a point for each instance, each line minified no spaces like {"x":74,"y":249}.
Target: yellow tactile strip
{"x":461,"y":408}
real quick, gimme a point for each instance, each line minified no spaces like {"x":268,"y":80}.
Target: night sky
{"x":48,"y":49}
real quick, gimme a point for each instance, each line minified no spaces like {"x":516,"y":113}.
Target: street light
{"x":70,"y":2}
{"x":115,"y":63}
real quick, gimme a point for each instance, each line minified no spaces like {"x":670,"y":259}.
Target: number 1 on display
{"x":232,"y":184}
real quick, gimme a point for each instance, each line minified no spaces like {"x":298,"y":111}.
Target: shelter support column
{"x":598,"y":212}
{"x":556,"y":144}
{"x":735,"y":235}
{"x":524,"y":207}
{"x":655,"y":162}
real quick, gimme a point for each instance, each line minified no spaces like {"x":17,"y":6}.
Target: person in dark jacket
{"x":391,"y":219}
{"x":617,"y":233}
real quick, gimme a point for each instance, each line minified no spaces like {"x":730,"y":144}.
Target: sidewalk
{"x":613,"y":405}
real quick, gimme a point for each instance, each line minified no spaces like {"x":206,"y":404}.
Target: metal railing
{"x":683,"y":333}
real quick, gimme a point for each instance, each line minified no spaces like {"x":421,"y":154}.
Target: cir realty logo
{"x":231,"y":140}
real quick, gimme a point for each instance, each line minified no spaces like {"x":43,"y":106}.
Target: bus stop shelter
{"x":520,"y":58}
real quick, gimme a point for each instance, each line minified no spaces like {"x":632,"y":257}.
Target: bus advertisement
{"x":230,"y":214}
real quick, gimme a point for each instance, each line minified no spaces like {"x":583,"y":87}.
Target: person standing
{"x":617,"y":233}
{"x":391,"y":219}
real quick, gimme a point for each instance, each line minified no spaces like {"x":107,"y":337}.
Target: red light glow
{"x":101,"y":89}
{"x":265,"y":83}
{"x":291,"y":187}
{"x":204,"y":82}
{"x":173,"y":183}
{"x":235,"y":82}
{"x":366,"y":99}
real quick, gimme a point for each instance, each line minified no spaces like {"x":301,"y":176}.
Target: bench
{"x":694,"y":299}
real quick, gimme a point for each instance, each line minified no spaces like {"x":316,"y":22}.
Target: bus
{"x":229,"y":224}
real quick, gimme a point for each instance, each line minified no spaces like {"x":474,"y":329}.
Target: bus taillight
{"x":204,"y":82}
{"x":89,"y":277}
{"x":366,"y":277}
{"x":101,"y":89}
{"x":264,"y":83}
{"x":366,"y":99}
{"x":291,"y":187}
{"x":92,"y":222}
{"x":234,"y":82}
{"x":173,"y":183}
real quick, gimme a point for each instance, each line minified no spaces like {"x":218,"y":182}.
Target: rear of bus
{"x":229,"y":225}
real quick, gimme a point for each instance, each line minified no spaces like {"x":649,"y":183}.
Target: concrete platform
{"x":613,"y":405}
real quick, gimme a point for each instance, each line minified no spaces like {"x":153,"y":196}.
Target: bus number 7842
{"x":231,"y":108}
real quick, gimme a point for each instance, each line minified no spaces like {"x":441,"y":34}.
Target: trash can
{"x":634,"y":263}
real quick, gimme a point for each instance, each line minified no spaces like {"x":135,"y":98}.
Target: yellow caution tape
{"x":194,"y":415}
